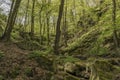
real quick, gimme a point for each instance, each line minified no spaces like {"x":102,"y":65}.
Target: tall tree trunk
{"x":11,"y":19}
{"x":57,"y":37}
{"x":75,"y":19}
{"x":32,"y":19}
{"x":26,"y":15}
{"x":65,"y":25}
{"x":48,"y":31}
{"x":48,"y":22}
{"x":44,"y":25}
{"x":115,"y":37}
{"x":40,"y":22}
{"x":54,"y":24}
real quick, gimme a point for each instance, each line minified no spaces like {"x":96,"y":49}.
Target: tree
{"x":40,"y":22}
{"x":32,"y":19}
{"x":48,"y":21}
{"x":11,"y":19}
{"x":64,"y":29}
{"x":26,"y":15}
{"x":57,"y":36}
{"x":115,"y":37}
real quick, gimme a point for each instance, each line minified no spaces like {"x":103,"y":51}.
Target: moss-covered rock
{"x":84,"y":43}
{"x":105,"y":70}
{"x":92,"y":69}
{"x":43,"y":60}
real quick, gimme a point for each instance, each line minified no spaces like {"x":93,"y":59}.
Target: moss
{"x":103,"y":65}
{"x":69,"y":59}
{"x":84,"y":43}
{"x":35,"y":54}
{"x":15,"y":36}
{"x":105,"y":75}
{"x":71,"y":77}
{"x":98,"y":50}
{"x":106,"y":70}
{"x":44,"y":61}
{"x":29,"y":45}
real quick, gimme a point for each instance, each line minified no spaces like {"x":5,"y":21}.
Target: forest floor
{"x":16,"y":65}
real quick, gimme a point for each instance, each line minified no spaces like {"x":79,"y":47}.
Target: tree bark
{"x":11,"y":19}
{"x":65,"y":25}
{"x":48,"y":22}
{"x":115,"y":37}
{"x":40,"y":22}
{"x":26,"y":15}
{"x":57,"y":37}
{"x":32,"y":19}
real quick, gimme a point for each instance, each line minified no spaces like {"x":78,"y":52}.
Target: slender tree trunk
{"x":40,"y":22}
{"x":57,"y":37}
{"x":75,"y":14}
{"x":26,"y":15}
{"x":48,"y":22}
{"x":10,"y":14}
{"x":115,"y":37}
{"x":48,"y":31}
{"x":54,"y":24}
{"x":65,"y":25}
{"x":11,"y":19}
{"x":32,"y":19}
{"x":44,"y":23}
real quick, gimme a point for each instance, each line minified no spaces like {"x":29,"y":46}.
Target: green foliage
{"x":15,"y":36}
{"x":43,"y":59}
{"x":102,"y":67}
{"x":14,"y":73}
{"x":88,"y":39}
{"x":28,"y":72}
{"x":98,"y":49}
{"x":35,"y":54}
{"x":1,"y":55}
{"x":1,"y":30}
{"x":49,"y":50}
{"x":2,"y":77}
{"x":69,"y":59}
{"x":85,"y":40}
{"x":30,"y":45}
{"x":2,"y":23}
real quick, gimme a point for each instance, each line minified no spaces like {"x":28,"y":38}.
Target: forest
{"x":59,"y":39}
